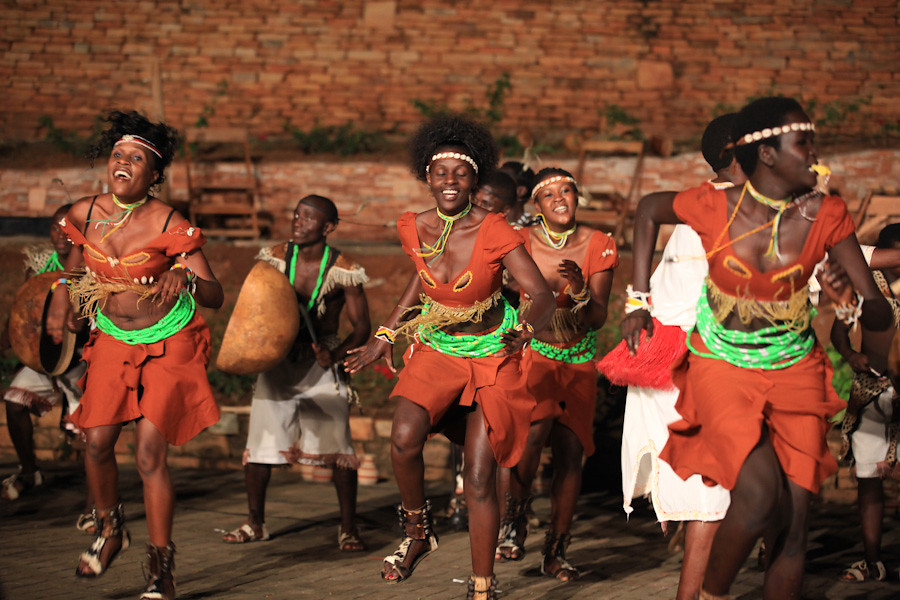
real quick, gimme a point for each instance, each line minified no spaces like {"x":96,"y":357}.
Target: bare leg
{"x":21,"y":432}
{"x":566,"y":487}
{"x":755,"y":502}
{"x":346,"y":485}
{"x":409,"y":431}
{"x":871,"y":513}
{"x":784,"y":575}
{"x":698,"y":541}
{"x":159,"y":495}
{"x":256,"y":481}
{"x":481,"y":497}
{"x":102,"y":474}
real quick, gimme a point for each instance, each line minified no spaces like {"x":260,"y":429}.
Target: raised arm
{"x":652,"y":211}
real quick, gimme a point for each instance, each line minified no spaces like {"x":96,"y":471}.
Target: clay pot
{"x":322,"y":474}
{"x":368,"y":471}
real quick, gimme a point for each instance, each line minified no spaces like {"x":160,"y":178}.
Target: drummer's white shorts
{"x":300,"y":401}
{"x":870,"y":440}
{"x":37,"y":393}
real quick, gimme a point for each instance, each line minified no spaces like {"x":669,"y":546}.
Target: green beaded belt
{"x":581,"y":352}
{"x":174,"y":321}
{"x":767,"y":348}
{"x":474,"y":345}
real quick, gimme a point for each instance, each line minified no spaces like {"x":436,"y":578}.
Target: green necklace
{"x":325,"y":255}
{"x":122,"y":216}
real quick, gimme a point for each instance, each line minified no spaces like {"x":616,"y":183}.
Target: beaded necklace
{"x":126,"y":211}
{"x":581,"y":352}
{"x":780,"y":206}
{"x":436,"y":249}
{"x":553,"y":239}
{"x":322,"y":265}
{"x":470,"y":345}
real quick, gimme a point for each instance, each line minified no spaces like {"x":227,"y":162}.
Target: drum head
{"x":27,"y":334}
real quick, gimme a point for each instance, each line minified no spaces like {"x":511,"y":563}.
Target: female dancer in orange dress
{"x":755,"y":386}
{"x":464,"y":372}
{"x":144,"y":275}
{"x":578,"y":264}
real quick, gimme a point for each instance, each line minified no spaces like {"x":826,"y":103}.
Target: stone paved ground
{"x":620,"y":559}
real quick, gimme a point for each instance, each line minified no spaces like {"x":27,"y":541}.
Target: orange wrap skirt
{"x":724,"y":407}
{"x":165,"y":382}
{"x":437,"y":381}
{"x":566,"y":392}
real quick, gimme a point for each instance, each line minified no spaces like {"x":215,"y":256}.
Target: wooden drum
{"x":27,"y":328}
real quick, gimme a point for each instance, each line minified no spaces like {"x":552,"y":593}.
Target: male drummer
{"x":306,"y":395}
{"x":33,"y":393}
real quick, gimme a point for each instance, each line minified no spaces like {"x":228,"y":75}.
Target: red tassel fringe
{"x":650,"y":367}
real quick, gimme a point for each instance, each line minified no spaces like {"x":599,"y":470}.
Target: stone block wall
{"x":669,"y":63}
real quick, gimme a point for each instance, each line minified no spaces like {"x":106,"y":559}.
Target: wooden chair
{"x":223,"y":189}
{"x":608,"y":208}
{"x":877,"y":209}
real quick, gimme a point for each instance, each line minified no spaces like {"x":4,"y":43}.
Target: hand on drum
{"x":60,"y":315}
{"x":359,"y":358}
{"x":169,"y":285}
{"x":324,"y":357}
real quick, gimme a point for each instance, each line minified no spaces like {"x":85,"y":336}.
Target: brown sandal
{"x":350,"y":542}
{"x":111,"y":525}
{"x":513,"y":530}
{"x":417,"y":529}
{"x":246,"y":533}
{"x":554,"y":562}
{"x":482,"y":588}
{"x":160,"y":581}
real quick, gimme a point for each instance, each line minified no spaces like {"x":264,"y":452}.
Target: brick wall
{"x":670,"y":63}
{"x":371,"y":194}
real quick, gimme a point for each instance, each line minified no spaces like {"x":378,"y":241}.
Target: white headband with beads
{"x":545,"y":182}
{"x":456,"y":155}
{"x":768,"y":132}
{"x":136,"y":139}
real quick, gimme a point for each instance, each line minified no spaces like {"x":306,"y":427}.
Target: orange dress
{"x":164,"y":381}
{"x":723,"y":406}
{"x":548,"y":377}
{"x":438,"y":382}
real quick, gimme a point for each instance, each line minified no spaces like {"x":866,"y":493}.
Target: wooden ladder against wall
{"x":223,"y":189}
{"x":608,"y":208}
{"x":877,"y":209}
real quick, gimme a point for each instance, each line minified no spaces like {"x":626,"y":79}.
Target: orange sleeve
{"x":698,"y":207}
{"x":72,"y":232}
{"x":602,"y":254}
{"x":499,"y":236}
{"x":834,"y":210}
{"x":182,"y":239}
{"x":406,"y":230}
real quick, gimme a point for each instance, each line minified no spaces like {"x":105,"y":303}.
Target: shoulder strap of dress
{"x":87,"y":219}
{"x":169,"y":218}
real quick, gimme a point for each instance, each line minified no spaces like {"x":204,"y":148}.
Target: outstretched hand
{"x":359,"y":358}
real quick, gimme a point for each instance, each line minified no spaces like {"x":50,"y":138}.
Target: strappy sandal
{"x":350,"y":542}
{"x":860,"y":571}
{"x":15,"y":485}
{"x":554,"y":551}
{"x":513,"y":530}
{"x":111,"y":524}
{"x":87,"y":523}
{"x":417,"y":527}
{"x":245,"y":533}
{"x":160,"y":581}
{"x":482,"y":588}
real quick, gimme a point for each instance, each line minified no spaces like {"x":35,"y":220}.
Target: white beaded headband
{"x":768,"y":132}
{"x":136,"y":139}
{"x":545,"y":182}
{"x":456,"y":155}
